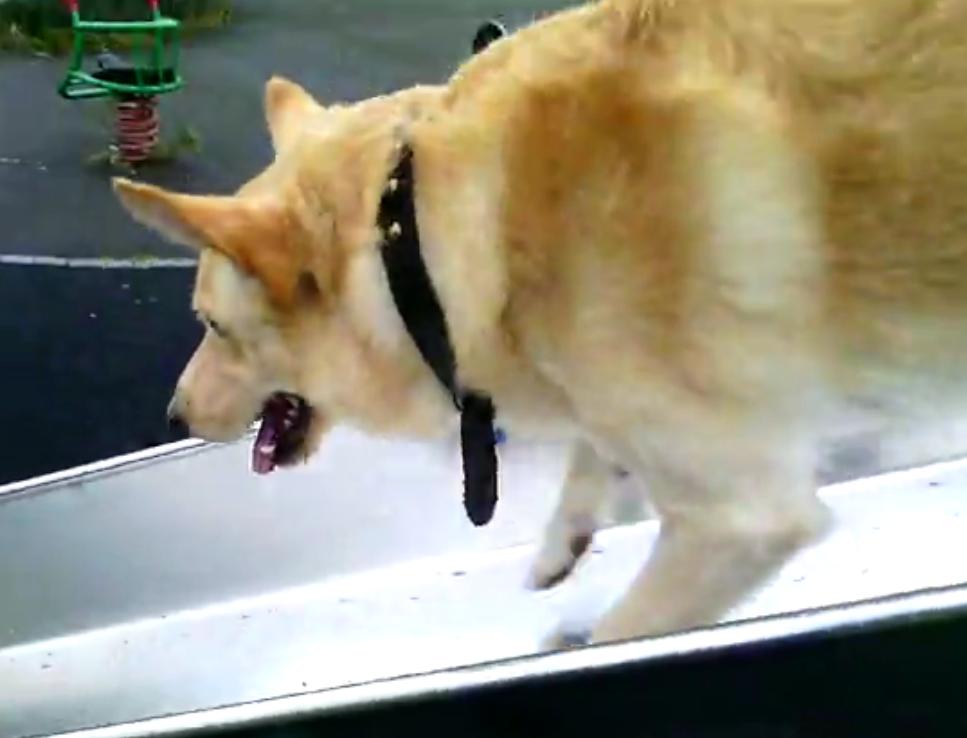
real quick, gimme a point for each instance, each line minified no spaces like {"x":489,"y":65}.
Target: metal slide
{"x":174,"y":592}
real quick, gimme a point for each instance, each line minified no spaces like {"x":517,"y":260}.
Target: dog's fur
{"x":692,"y":235}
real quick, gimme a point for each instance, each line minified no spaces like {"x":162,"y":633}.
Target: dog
{"x":695,"y":238}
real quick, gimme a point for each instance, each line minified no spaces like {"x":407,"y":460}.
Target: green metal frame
{"x":163,"y":32}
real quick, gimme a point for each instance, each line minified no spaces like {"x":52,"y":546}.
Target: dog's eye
{"x":216,"y":328}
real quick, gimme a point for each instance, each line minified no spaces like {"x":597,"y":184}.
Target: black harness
{"x":418,"y":305}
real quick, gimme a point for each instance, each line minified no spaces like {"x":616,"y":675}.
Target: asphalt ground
{"x":89,"y":359}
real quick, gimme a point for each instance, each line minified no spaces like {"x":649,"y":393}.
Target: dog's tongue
{"x":267,"y":439}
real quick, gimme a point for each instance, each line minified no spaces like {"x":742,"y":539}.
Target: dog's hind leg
{"x":569,"y":532}
{"x":728,"y":523}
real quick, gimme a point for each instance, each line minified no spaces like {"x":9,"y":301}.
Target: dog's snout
{"x":176,"y":424}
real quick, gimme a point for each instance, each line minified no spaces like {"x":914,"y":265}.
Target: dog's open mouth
{"x":282,"y":433}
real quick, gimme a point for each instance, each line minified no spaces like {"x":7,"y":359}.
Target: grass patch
{"x":44,"y":26}
{"x":185,"y":140}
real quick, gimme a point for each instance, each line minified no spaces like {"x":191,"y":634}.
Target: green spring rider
{"x":135,"y":85}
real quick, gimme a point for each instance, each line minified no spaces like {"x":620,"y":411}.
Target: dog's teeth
{"x":267,"y":448}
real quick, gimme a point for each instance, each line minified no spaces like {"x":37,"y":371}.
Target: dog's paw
{"x":557,"y":559}
{"x":565,"y":638}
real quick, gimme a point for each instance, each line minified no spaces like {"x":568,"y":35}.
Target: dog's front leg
{"x":694,"y":576}
{"x":732,"y":511}
{"x":728,"y":523}
{"x":569,"y":532}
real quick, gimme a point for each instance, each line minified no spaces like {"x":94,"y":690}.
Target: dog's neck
{"x":419,"y":307}
{"x":458,"y":185}
{"x":411,"y":286}
{"x":456,"y":213}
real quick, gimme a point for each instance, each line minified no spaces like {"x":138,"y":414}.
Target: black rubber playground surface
{"x":88,"y":356}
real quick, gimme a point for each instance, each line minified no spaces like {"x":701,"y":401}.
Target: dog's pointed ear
{"x":287,"y":105}
{"x":197,"y":221}
{"x":252,"y":232}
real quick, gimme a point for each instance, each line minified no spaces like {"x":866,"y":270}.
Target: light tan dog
{"x":695,"y":236}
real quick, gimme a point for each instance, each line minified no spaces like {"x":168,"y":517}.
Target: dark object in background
{"x":488,"y":32}
{"x":496,"y":28}
{"x":107,"y":60}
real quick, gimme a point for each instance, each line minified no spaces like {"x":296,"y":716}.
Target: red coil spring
{"x":137,"y":128}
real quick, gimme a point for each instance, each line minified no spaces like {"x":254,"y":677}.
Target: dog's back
{"x":736,"y":198}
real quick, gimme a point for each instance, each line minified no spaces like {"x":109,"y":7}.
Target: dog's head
{"x":300,"y":328}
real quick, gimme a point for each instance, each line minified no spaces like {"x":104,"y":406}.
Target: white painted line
{"x":94,"y":262}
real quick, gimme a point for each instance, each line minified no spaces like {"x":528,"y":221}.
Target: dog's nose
{"x":176,"y":424}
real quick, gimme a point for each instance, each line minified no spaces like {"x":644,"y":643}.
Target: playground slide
{"x":174,"y":592}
